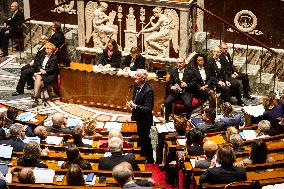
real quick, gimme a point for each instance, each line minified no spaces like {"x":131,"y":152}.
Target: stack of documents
{"x":44,"y":175}
{"x":166,"y":127}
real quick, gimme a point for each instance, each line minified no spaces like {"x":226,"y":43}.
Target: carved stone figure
{"x":99,"y":25}
{"x":130,"y":32}
{"x":162,"y":32}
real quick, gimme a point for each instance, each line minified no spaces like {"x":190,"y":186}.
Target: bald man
{"x":12,"y":28}
{"x":59,"y":124}
{"x":181,"y":83}
{"x":116,"y":133}
{"x":210,"y":148}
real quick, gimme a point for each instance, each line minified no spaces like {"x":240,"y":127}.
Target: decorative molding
{"x":64,"y":8}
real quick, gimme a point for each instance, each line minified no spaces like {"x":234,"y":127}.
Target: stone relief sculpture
{"x":130,"y":32}
{"x":69,"y":8}
{"x":99,"y":25}
{"x":159,"y":35}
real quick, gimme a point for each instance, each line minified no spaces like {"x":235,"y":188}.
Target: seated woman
{"x":273,"y":112}
{"x":75,"y":176}
{"x":264,"y":127}
{"x":194,"y":142}
{"x":222,"y":170}
{"x":230,"y":118}
{"x":258,"y":154}
{"x":46,"y":70}
{"x":31,"y":156}
{"x":230,"y":131}
{"x":134,"y":60}
{"x":111,"y":55}
{"x":74,"y":157}
{"x":203,"y":78}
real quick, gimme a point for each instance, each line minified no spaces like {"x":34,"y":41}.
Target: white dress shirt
{"x":202,"y":73}
{"x":46,"y":58}
{"x":180,"y":74}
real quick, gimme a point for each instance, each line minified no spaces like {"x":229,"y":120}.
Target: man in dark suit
{"x":135,"y":60}
{"x":142,"y":105}
{"x":181,"y":83}
{"x":210,"y":148}
{"x":57,"y":38}
{"x":226,"y":59}
{"x":12,"y":28}
{"x":58,"y":124}
{"x":223,"y":79}
{"x":115,"y":147}
{"x":17,"y":136}
{"x":226,"y":173}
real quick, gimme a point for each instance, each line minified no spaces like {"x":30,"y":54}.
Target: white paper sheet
{"x":6,"y":151}
{"x":54,"y":140}
{"x":44,"y":175}
{"x":254,"y":110}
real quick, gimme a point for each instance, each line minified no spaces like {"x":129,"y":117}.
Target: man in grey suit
{"x":210,"y":148}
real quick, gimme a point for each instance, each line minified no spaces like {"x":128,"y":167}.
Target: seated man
{"x":237,"y":142}
{"x":58,"y":124}
{"x":230,"y":117}
{"x":264,"y":128}
{"x":226,"y":60}
{"x":116,"y":133}
{"x":12,"y":28}
{"x":123,"y":175}
{"x":57,"y":37}
{"x":17,"y":133}
{"x":41,"y":132}
{"x":194,"y":142}
{"x":26,"y":176}
{"x":115,"y":147}
{"x":134,"y":60}
{"x":210,"y":148}
{"x":181,"y":83}
{"x":77,"y":135}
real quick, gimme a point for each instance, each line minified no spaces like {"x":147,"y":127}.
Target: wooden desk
{"x":80,"y":85}
{"x":39,"y":117}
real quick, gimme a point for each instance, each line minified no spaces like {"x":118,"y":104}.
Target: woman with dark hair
{"x":75,"y":176}
{"x":258,"y":154}
{"x":194,"y":142}
{"x":111,"y":55}
{"x":31,"y":156}
{"x":203,"y":78}
{"x":222,"y":170}
{"x":74,"y":157}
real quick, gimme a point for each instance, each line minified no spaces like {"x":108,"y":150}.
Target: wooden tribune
{"x":80,"y":85}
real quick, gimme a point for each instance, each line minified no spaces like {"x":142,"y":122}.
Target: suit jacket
{"x":188,"y":78}
{"x":209,"y":77}
{"x":51,"y":68}
{"x":30,"y":163}
{"x":78,"y":144}
{"x":58,"y":129}
{"x":236,"y":120}
{"x":57,"y":39}
{"x":15,"y":30}
{"x":203,"y":163}
{"x":223,"y":175}
{"x":218,"y":74}
{"x":17,"y":144}
{"x":195,"y":150}
{"x":227,"y":64}
{"x":139,"y":62}
{"x":145,"y":103}
{"x":108,"y":163}
{"x":3,"y":184}
{"x":114,"y":61}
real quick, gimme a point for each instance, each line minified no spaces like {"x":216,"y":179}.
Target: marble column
{"x":27,"y":11}
{"x":184,"y":33}
{"x":81,"y":23}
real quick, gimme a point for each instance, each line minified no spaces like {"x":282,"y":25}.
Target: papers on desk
{"x":87,"y":141}
{"x":166,"y":127}
{"x":60,"y":163}
{"x":181,"y":141}
{"x":6,"y":151}
{"x":28,"y":139}
{"x":72,"y":122}
{"x":43,"y":175}
{"x":90,"y":179}
{"x":193,"y":161}
{"x":107,"y":154}
{"x":54,"y":140}
{"x":113,"y":126}
{"x":27,"y":116}
{"x":248,"y":134}
{"x":254,"y":111}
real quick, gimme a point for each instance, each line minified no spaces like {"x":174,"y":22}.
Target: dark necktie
{"x":137,"y":92}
